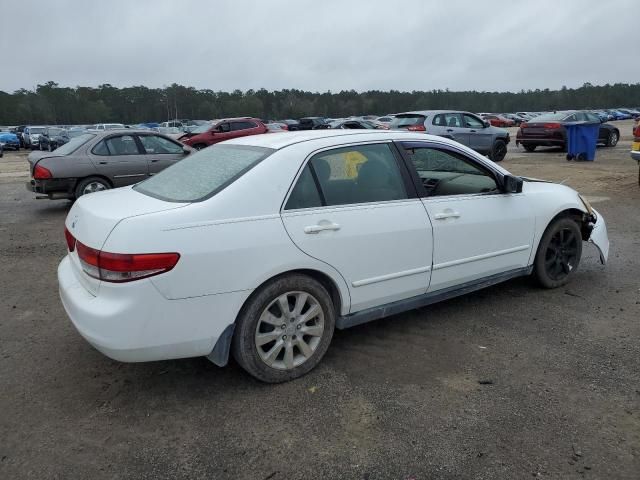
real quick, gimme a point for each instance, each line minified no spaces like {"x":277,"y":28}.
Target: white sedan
{"x":262,"y":245}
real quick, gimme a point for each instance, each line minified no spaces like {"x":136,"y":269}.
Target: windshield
{"x":113,"y":126}
{"x":73,"y":144}
{"x":402,"y":121}
{"x":55,"y":131}
{"x":36,"y":129}
{"x":203,"y":174}
{"x":74,"y":133}
{"x":201,"y":128}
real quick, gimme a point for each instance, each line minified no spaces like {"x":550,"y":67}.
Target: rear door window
{"x":122,"y":145}
{"x":350,"y":175}
{"x":242,"y":125}
{"x":447,"y":120}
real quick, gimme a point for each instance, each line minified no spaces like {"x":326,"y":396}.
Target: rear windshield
{"x":551,"y":117}
{"x":406,"y":120}
{"x":203,"y":174}
{"x":73,"y":144}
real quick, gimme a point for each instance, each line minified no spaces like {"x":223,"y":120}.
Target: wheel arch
{"x":220,"y":353}
{"x":580,"y":216}
{"x":93,"y":175}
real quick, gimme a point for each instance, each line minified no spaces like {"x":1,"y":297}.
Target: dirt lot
{"x":510,"y":382}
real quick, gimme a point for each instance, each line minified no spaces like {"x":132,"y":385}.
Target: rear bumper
{"x":543,"y":142}
{"x":54,"y":187}
{"x":133,"y":322}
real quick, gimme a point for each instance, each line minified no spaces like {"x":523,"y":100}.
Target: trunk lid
{"x":93,"y":217}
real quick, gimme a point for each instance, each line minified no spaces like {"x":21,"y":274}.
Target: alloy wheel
{"x":289,"y":330}
{"x":562,"y":254}
{"x":94,"y":187}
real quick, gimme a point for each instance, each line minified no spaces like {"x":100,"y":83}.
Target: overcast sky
{"x":321,"y":45}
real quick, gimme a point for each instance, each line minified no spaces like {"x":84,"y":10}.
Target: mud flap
{"x":220,"y":353}
{"x":600,"y":238}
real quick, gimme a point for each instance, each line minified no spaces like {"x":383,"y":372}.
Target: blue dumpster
{"x":582,"y":138}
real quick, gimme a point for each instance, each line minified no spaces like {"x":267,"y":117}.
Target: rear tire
{"x":498,"y":151}
{"x":91,"y":185}
{"x":559,"y":253}
{"x":612,"y":139}
{"x":528,"y":147}
{"x":274,"y":354}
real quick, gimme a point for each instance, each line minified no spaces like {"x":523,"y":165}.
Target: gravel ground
{"x":509,"y":382}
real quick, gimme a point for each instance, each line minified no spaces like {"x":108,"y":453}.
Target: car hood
{"x":94,"y":216}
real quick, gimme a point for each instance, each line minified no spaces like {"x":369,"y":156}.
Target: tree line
{"x":52,"y":104}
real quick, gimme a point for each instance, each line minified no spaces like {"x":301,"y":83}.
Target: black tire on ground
{"x":612,"y":139}
{"x":529,"y":147}
{"x":559,"y":253}
{"x":498,"y":151}
{"x":94,"y":183}
{"x":244,"y":346}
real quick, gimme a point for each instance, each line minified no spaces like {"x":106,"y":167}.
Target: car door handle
{"x":445,"y":215}
{"x":311,"y":229}
{"x":102,"y":163}
{"x":154,"y":161}
{"x":472,"y":131}
{"x":449,"y":129}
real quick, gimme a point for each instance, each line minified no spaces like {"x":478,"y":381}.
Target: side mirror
{"x":186,"y":150}
{"x":512,"y":184}
{"x":486,"y":124}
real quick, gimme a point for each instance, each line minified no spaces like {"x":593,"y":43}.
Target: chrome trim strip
{"x":390,"y":276}
{"x":484,"y":256}
{"x":133,"y":175}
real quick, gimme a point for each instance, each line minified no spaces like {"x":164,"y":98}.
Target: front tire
{"x":559,"y":253}
{"x":284,"y":329}
{"x":529,"y":147}
{"x":498,"y":151}
{"x":91,"y":185}
{"x":612,"y":139}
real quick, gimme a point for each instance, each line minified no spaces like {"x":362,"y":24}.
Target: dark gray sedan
{"x":96,"y":161}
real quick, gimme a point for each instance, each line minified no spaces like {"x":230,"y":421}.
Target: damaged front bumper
{"x":599,"y":236}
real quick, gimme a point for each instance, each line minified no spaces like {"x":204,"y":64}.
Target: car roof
{"x":282,"y":140}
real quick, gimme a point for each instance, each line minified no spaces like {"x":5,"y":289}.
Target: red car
{"x":499,"y":120}
{"x":223,"y":130}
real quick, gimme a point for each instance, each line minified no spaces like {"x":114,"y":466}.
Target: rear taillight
{"x":41,"y":173}
{"x":124,"y":267}
{"x":71,"y":242}
{"x":416,"y":128}
{"x":552,"y":126}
